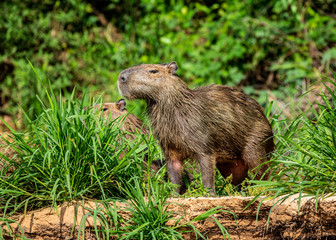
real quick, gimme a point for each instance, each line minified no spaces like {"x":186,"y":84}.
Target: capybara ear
{"x":121,"y":105}
{"x":172,"y":67}
{"x":97,"y":106}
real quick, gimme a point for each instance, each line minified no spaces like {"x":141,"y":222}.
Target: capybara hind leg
{"x":174,"y":165}
{"x":207,"y":164}
{"x":257,"y":152}
{"x":238,"y":169}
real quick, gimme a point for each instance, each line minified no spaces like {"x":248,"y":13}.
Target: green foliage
{"x":304,"y":161}
{"x":195,"y":188}
{"x":306,"y":152}
{"x":148,"y":216}
{"x":254,"y":44}
{"x":69,"y":153}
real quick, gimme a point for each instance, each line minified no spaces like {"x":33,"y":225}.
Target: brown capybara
{"x":216,"y":125}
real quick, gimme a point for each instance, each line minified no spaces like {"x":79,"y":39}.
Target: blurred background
{"x":272,"y":48}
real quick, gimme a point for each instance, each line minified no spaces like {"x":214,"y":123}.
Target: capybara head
{"x":113,"y":110}
{"x":148,"y":81}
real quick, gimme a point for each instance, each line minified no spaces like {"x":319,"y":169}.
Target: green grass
{"x":304,"y":162}
{"x":149,"y":216}
{"x":14,"y":233}
{"x":68,"y":153}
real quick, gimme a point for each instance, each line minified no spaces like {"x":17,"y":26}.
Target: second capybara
{"x":114,"y":110}
{"x":216,"y":125}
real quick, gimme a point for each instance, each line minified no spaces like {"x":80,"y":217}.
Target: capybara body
{"x":216,"y":125}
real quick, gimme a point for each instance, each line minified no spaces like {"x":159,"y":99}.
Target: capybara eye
{"x":105,"y":109}
{"x":153,"y":71}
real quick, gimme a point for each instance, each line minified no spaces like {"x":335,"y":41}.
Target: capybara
{"x":216,"y":125}
{"x":114,"y":110}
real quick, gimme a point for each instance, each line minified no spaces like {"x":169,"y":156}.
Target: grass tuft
{"x":68,"y":153}
{"x":149,"y":216}
{"x":304,"y":162}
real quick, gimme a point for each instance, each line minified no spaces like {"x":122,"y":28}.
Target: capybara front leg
{"x":175,"y":168}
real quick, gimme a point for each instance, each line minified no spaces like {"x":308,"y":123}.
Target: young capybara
{"x":216,"y":125}
{"x":114,"y":110}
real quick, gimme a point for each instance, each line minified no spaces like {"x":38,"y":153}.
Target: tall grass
{"x":304,"y":161}
{"x":68,"y":153}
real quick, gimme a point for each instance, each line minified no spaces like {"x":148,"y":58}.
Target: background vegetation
{"x":278,"y":45}
{"x":64,"y":152}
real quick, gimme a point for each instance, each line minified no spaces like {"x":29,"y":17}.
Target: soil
{"x":285,"y":222}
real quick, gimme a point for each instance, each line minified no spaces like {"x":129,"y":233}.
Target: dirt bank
{"x":285,"y":220}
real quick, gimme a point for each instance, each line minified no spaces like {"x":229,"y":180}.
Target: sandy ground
{"x":285,"y":220}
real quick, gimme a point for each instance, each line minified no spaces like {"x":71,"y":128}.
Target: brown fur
{"x":216,"y":125}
